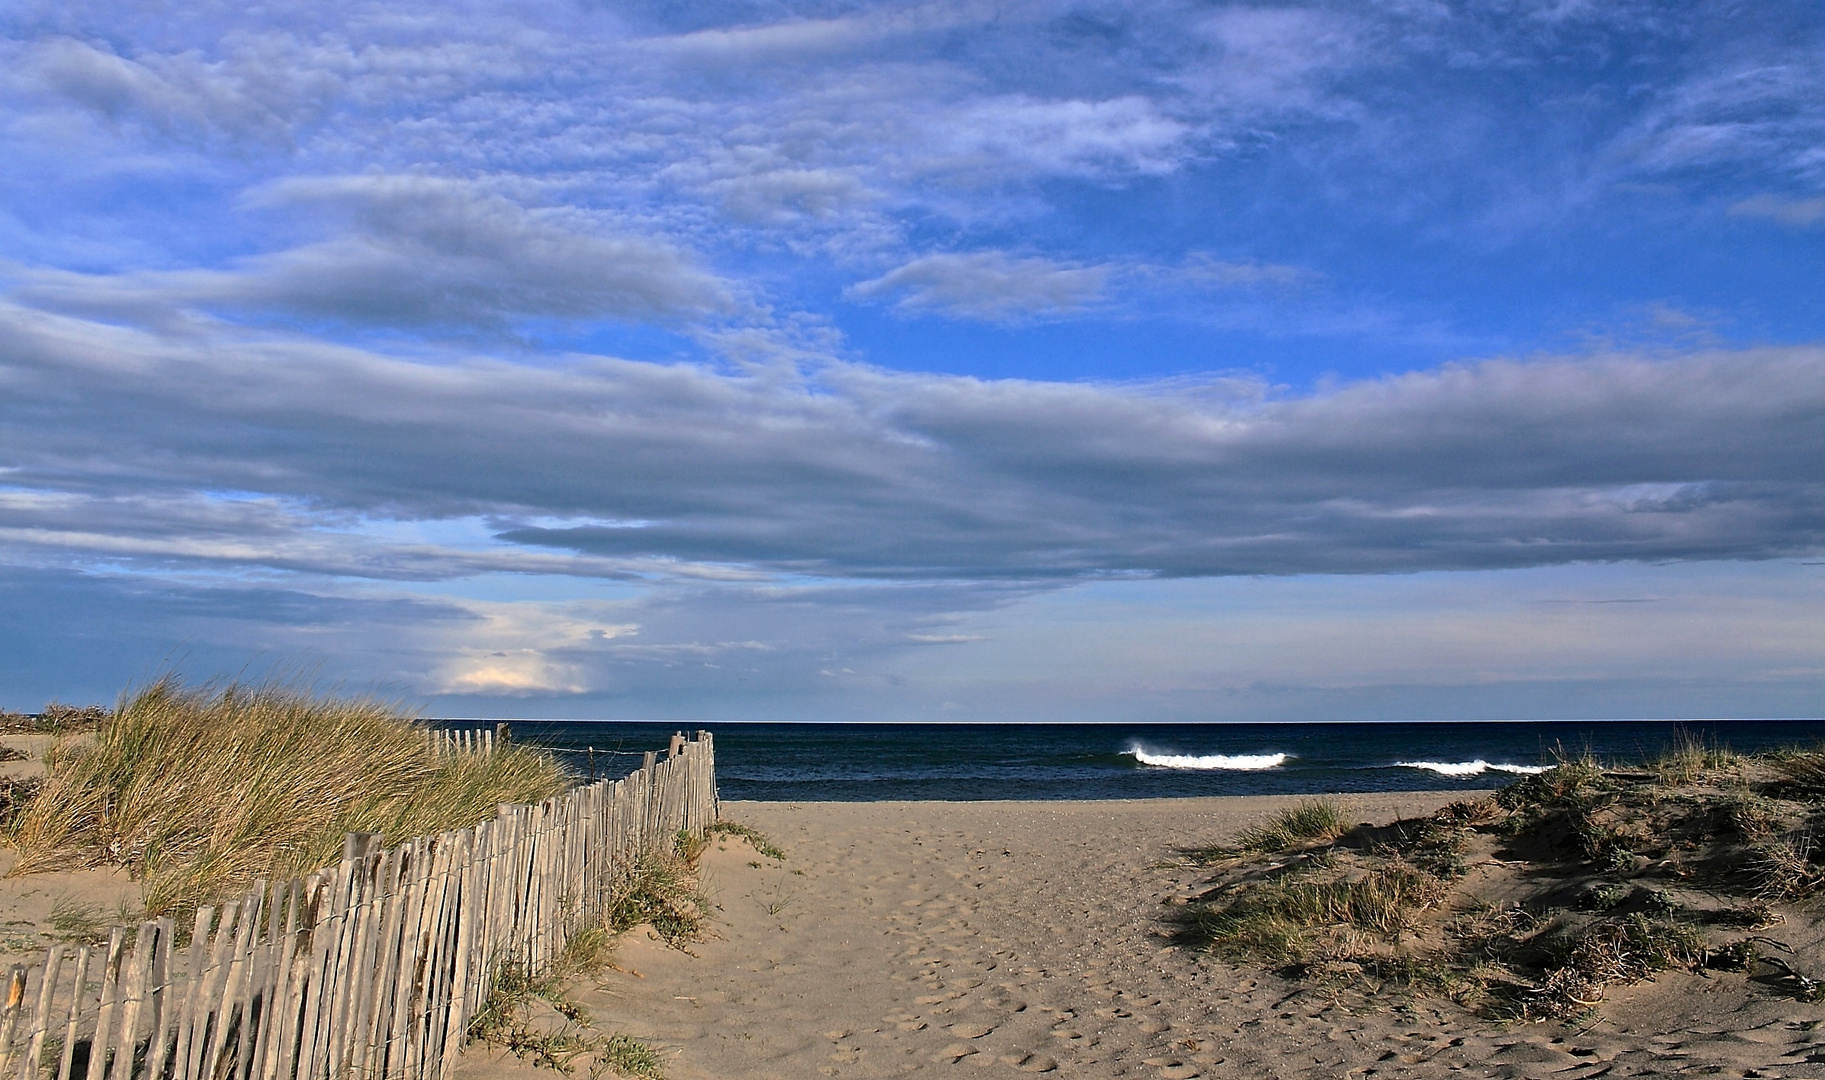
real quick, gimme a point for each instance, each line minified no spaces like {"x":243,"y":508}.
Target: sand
{"x":26,"y":903}
{"x":1016,"y":939}
{"x":1013,"y":939}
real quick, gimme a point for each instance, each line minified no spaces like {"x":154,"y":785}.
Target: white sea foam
{"x":1471,"y":768}
{"x":1208,"y":761}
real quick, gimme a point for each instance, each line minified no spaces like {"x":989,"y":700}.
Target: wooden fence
{"x":369,"y":969}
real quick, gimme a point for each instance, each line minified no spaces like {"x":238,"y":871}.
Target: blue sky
{"x":985,"y":361}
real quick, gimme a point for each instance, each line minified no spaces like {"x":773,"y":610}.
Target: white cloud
{"x":518,"y":649}
{"x":1113,"y":137}
{"x":791,"y":40}
{"x":1766,"y":115}
{"x":992,"y":286}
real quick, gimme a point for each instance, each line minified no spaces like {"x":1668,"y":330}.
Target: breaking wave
{"x":1248,"y":762}
{"x":1471,"y":768}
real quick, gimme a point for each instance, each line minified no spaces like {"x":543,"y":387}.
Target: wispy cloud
{"x":1799,"y":213}
{"x":990,"y":285}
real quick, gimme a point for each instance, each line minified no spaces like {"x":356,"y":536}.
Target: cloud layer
{"x":802,"y":353}
{"x":847,"y":470}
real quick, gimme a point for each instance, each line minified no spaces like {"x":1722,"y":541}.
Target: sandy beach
{"x":1008,"y":939}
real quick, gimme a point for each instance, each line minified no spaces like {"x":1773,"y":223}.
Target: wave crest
{"x":1471,"y":768}
{"x":1244,"y":762}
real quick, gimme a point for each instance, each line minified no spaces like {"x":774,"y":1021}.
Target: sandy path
{"x":1009,"y":939}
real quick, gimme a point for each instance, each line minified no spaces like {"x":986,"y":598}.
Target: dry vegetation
{"x":535,"y":1019}
{"x":1527,"y":905}
{"x":57,"y":719}
{"x":199,"y":791}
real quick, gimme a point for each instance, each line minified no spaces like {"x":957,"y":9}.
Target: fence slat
{"x":110,"y":997}
{"x":134,"y":986}
{"x":9,"y":1019}
{"x":42,"y":1015}
{"x":67,"y":1059}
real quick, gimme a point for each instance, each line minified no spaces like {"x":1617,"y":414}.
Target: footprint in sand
{"x":970,"y":1031}
{"x":955,"y":1052}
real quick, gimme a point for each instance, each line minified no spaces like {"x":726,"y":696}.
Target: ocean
{"x":863,"y":762}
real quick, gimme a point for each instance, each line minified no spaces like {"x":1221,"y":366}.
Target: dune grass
{"x":198,"y":791}
{"x":1311,"y":821}
{"x":1606,"y":877}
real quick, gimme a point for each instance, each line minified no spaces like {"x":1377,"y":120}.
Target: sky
{"x":1021,"y":361}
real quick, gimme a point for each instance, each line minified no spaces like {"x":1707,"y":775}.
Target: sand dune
{"x":1013,"y":939}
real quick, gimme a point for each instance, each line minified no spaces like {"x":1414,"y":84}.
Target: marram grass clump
{"x":1529,"y":905}
{"x":198,"y":791}
{"x":1311,"y":821}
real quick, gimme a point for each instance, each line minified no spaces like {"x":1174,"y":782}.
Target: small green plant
{"x":1735,"y":956}
{"x":1624,"y":949}
{"x":660,"y":890}
{"x":504,"y":1021}
{"x":688,"y":845}
{"x":754,"y":838}
{"x":1753,"y":816}
{"x":1607,"y":896}
{"x":74,"y":921}
{"x":15,"y":793}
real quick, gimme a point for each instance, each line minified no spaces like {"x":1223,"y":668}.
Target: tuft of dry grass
{"x":1282,"y":920}
{"x":1690,"y":758}
{"x":1620,"y":950}
{"x":199,"y":791}
{"x":1804,"y":770}
{"x":1312,"y":821}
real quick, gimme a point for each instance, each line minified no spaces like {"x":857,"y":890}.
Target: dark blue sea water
{"x":859,"y":762}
